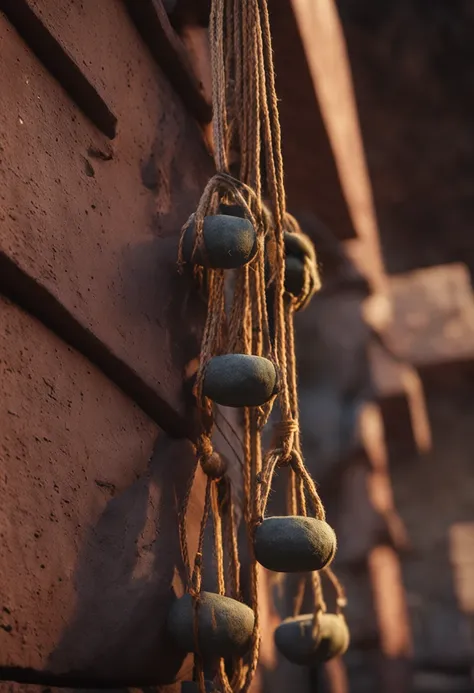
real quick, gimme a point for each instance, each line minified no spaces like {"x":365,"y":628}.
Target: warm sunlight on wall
{"x":461,"y":552}
{"x":326,"y":53}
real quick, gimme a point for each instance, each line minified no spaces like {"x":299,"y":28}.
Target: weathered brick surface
{"x":89,"y":551}
{"x":95,"y":222}
{"x":433,"y":315}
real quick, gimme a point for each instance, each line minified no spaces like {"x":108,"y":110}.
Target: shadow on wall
{"x":125,"y":581}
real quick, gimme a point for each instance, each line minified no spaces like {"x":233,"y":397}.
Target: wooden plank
{"x":89,"y":547}
{"x":60,"y":64}
{"x":96,"y":229}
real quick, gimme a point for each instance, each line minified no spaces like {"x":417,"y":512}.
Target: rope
{"x":245,"y":109}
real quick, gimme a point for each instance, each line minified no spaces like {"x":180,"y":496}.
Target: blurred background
{"x":102,"y":162}
{"x":376,"y":108}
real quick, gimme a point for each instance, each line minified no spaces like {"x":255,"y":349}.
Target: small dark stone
{"x":294,"y":544}
{"x":229,"y":242}
{"x":300,"y":266}
{"x":300,"y":643}
{"x":298,"y":245}
{"x":240,"y":380}
{"x":225,"y":625}
{"x":214,"y":465}
{"x":232,"y":210}
{"x":294,"y":275}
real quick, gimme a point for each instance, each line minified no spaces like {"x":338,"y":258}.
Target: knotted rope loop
{"x":284,"y":433}
{"x":204,"y":446}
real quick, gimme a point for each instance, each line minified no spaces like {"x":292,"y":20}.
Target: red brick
{"x":101,"y":235}
{"x":89,"y":551}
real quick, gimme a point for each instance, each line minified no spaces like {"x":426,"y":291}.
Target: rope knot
{"x":204,"y":447}
{"x":284,"y":434}
{"x":285,"y":429}
{"x":214,"y":465}
{"x":341,"y":602}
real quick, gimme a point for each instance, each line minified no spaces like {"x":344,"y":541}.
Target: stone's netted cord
{"x":245,"y":118}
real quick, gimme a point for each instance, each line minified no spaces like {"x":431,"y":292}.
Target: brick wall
{"x":103,"y":158}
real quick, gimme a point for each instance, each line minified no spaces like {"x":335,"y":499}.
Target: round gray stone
{"x":298,"y":245}
{"x":225,"y":625}
{"x":297,"y":640}
{"x":240,"y":380}
{"x":294,"y":544}
{"x":229,"y":242}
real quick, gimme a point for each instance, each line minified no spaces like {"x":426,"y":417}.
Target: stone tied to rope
{"x":245,"y":364}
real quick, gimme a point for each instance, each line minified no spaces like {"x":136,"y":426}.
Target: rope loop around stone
{"x":219,"y":185}
{"x":204,"y":446}
{"x":311,"y":279}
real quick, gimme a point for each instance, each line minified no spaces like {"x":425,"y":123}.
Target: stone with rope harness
{"x":246,"y":115}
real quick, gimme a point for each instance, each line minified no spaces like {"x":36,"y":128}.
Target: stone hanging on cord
{"x":225,"y":625}
{"x":294,"y":544}
{"x":301,"y":272}
{"x":240,"y":364}
{"x":228,"y":242}
{"x":240,"y":380}
{"x":311,"y":639}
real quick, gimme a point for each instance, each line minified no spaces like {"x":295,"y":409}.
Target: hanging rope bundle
{"x":242,"y":363}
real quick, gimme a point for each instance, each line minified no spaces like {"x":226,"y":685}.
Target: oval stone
{"x":298,"y":245}
{"x":232,"y":210}
{"x":297,"y":641}
{"x":294,"y":275}
{"x":294,"y":544}
{"x":225,"y":625}
{"x":214,"y":465}
{"x":229,"y":242}
{"x":240,"y":380}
